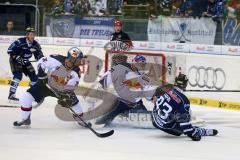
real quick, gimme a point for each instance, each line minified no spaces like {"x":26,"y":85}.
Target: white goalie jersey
{"x":59,"y":78}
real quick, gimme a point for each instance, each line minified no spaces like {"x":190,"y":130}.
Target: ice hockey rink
{"x":50,"y":138}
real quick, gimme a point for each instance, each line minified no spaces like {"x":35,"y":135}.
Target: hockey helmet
{"x":30,"y":29}
{"x":181,"y":81}
{"x":140,"y":58}
{"x":74,"y":57}
{"x":118,"y":59}
{"x":117,"y":22}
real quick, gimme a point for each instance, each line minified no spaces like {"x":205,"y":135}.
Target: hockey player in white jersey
{"x":128,"y":84}
{"x":56,"y":73}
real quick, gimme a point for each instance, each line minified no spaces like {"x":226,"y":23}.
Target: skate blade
{"x":22,"y":127}
{"x":13,"y":101}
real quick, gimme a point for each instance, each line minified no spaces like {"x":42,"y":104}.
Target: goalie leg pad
{"x":120,"y":107}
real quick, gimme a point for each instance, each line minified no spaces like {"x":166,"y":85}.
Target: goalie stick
{"x":86,"y":125}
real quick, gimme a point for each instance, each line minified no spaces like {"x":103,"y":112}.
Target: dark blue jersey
{"x":171,"y":110}
{"x":23,"y":48}
{"x":121,"y":36}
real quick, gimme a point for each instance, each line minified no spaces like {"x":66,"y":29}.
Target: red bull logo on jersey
{"x":60,"y":79}
{"x":133,"y":84}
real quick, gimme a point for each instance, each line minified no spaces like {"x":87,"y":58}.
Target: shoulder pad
{"x":58,"y":57}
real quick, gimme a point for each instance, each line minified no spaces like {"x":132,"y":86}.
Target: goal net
{"x":154,"y":66}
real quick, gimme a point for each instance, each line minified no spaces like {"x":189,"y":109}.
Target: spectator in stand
{"x":176,"y":7}
{"x":116,"y":6}
{"x":198,"y":7}
{"x":58,"y":8}
{"x":82,"y":7}
{"x":98,"y":8}
{"x":215,"y":10}
{"x":233,"y":8}
{"x":165,"y":7}
{"x":10,"y":29}
{"x":185,"y":8}
{"x":68,"y":7}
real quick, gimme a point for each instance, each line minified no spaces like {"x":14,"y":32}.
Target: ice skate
{"x":23,"y":124}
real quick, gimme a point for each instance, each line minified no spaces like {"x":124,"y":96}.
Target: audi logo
{"x":212,"y":78}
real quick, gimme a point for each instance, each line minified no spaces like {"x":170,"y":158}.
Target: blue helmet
{"x":74,"y":57}
{"x":139,"y":58}
{"x":75,"y":53}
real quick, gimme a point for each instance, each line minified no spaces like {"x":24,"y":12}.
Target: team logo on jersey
{"x":62,"y":27}
{"x":61,"y":80}
{"x":119,"y":37}
{"x":33,"y":50}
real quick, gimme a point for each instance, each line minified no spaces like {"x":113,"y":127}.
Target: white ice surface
{"x":52,"y":139}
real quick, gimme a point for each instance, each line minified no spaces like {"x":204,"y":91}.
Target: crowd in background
{"x":217,"y":9}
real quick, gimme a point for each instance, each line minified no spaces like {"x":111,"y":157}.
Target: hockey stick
{"x":33,"y":61}
{"x":86,"y":125}
{"x":198,"y":90}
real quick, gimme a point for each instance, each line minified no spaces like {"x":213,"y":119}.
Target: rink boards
{"x":205,"y":71}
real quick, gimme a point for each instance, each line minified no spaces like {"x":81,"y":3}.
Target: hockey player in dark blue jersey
{"x":171,"y":111}
{"x":20,"y":51}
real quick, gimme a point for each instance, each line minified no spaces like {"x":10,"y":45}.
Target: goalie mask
{"x":119,"y":59}
{"x":74,"y":57}
{"x":181,"y":81}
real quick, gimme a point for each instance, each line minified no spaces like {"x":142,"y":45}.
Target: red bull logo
{"x":134,"y":84}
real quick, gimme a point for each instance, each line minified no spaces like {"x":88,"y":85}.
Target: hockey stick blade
{"x":86,"y":125}
{"x":102,"y":135}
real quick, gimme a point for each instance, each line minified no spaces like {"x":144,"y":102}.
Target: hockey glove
{"x":65,"y":102}
{"x":42,"y":76}
{"x":20,"y":60}
{"x":65,"y":99}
